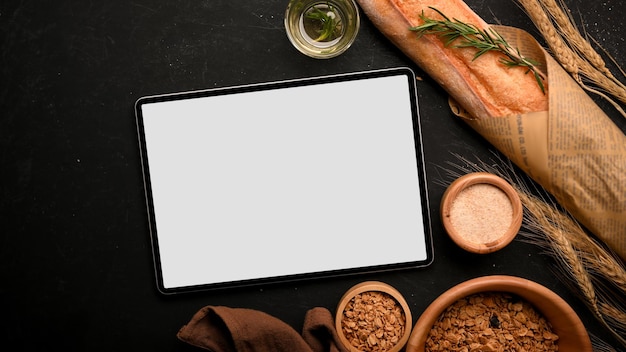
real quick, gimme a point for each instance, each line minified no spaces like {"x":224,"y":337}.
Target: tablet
{"x":286,"y":180}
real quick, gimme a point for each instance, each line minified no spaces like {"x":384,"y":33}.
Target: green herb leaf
{"x":328,"y":19}
{"x":467,"y":35}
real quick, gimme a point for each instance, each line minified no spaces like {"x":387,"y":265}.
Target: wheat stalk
{"x":561,"y":232}
{"x":564,"y":23}
{"x":574,"y":52}
{"x":595,"y":256}
{"x":546,"y":220}
{"x":586,"y":266}
{"x":562,"y":52}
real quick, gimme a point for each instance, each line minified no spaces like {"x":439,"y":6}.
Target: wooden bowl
{"x":565,"y":322}
{"x":373,"y":286}
{"x":492,"y":238}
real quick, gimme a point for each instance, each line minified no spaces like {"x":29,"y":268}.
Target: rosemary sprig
{"x":328,"y":19}
{"x":473,"y":37}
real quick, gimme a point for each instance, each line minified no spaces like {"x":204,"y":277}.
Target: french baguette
{"x":484,"y":86}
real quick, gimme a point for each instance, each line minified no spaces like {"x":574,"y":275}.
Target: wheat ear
{"x":575,"y":54}
{"x":541,"y":218}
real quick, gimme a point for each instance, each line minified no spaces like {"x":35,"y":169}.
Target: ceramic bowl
{"x":565,"y":322}
{"x":373,"y":286}
{"x":461,"y":236}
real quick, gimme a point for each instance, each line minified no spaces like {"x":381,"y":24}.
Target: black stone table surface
{"x":76,"y":269}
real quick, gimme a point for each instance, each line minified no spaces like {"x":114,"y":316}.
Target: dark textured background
{"x":75,"y":260}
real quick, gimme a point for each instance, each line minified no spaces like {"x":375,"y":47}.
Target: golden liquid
{"x":304,"y":32}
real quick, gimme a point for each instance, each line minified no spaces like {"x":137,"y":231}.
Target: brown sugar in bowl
{"x":572,"y":335}
{"x":481,"y":212}
{"x":376,"y":315}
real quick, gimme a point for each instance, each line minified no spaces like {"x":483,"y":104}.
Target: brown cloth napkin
{"x":225,"y":329}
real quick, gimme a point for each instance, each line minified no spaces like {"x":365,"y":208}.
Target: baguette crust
{"x":484,"y":87}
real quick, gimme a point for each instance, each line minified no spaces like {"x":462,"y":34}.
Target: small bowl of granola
{"x":373,"y":316}
{"x":499,"y":313}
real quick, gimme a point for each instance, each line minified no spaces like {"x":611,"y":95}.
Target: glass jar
{"x":322,"y":28}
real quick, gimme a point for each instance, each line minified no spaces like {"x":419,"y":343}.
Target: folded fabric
{"x":225,"y":329}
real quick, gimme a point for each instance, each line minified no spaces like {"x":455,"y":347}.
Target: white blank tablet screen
{"x":281,"y":182}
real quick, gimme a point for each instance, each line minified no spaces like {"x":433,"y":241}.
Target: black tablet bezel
{"x":401,"y":71}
